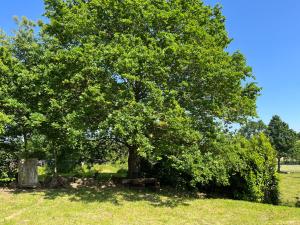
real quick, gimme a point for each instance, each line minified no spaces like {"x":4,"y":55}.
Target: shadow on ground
{"x":114,"y":195}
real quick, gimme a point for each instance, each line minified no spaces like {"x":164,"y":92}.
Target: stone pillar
{"x":28,"y":173}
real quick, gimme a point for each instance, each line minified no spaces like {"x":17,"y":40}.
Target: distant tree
{"x":282,"y":137}
{"x":295,"y":153}
{"x":253,"y":128}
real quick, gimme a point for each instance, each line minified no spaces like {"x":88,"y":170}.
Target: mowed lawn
{"x":123,"y":206}
{"x":290,"y":185}
{"x":112,"y":205}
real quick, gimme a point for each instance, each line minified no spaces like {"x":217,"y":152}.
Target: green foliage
{"x":4,"y":182}
{"x":142,"y":74}
{"x":281,"y":136}
{"x":20,"y":84}
{"x":258,"y":163}
{"x":243,"y":168}
{"x":252,"y":128}
{"x":4,"y":119}
{"x":8,"y":164}
{"x":295,"y":152}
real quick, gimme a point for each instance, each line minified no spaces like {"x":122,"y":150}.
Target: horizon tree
{"x":281,"y":137}
{"x":295,"y":152}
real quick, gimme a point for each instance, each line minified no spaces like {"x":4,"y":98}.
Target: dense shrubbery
{"x":243,"y":168}
{"x":253,"y":170}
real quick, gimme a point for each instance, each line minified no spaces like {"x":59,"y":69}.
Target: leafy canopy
{"x":137,"y":71}
{"x":281,"y":136}
{"x":152,"y":77}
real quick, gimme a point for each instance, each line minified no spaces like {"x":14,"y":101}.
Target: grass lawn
{"x":113,"y":205}
{"x":291,"y":168}
{"x":290,"y":185}
{"x":124,"y":206}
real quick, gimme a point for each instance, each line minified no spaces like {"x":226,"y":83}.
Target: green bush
{"x":252,"y":169}
{"x":8,"y":165}
{"x":6,"y":181}
{"x":122,"y":172}
{"x":242,"y":168}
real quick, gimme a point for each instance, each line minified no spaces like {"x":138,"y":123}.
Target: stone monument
{"x":28,"y":173}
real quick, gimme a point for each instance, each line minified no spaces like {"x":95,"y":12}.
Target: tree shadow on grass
{"x":114,"y":195}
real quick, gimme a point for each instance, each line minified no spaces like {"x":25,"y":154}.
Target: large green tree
{"x":21,"y":84}
{"x":282,"y":137}
{"x":153,"y":76}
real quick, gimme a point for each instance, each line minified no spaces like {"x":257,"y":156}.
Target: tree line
{"x":283,"y":139}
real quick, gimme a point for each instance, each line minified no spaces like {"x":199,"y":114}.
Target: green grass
{"x":108,"y":168}
{"x":291,"y":168}
{"x":103,"y":172}
{"x":124,"y":206}
{"x":113,"y":205}
{"x":290,"y":185}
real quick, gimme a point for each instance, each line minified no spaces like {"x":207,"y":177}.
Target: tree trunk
{"x":55,"y":158}
{"x":55,"y":162}
{"x":25,"y":145}
{"x":133,"y":163}
{"x":278,"y":164}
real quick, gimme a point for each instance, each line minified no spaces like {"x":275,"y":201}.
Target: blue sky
{"x":267,"y":32}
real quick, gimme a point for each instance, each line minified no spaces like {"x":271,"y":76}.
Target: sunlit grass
{"x":99,"y":171}
{"x":124,"y":206}
{"x":291,"y":168}
{"x":113,"y":205}
{"x":290,"y":185}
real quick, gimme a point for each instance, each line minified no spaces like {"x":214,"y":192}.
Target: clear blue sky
{"x":267,"y":32}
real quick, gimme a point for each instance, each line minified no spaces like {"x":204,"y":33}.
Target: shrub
{"x":297,"y":202}
{"x":243,"y":168}
{"x":253,"y":170}
{"x":4,"y":182}
{"x":122,"y":172}
{"x":82,"y":171}
{"x":8,"y":164}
